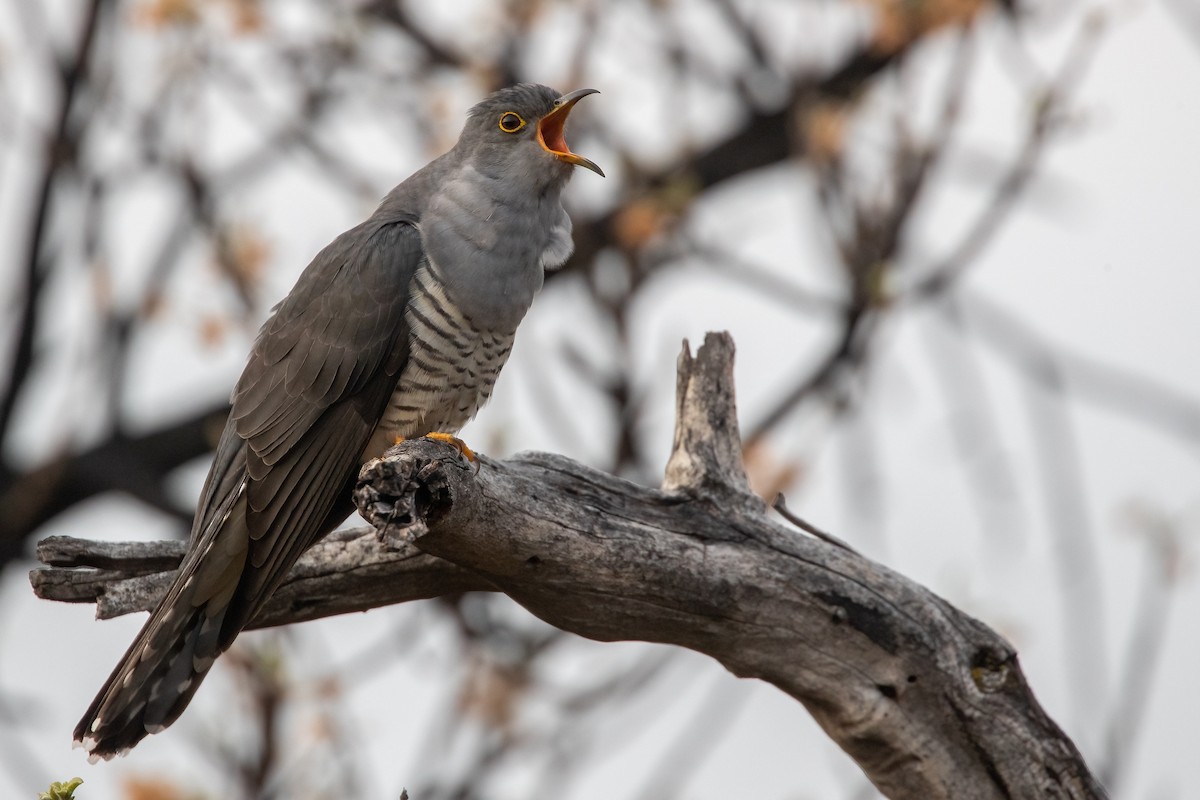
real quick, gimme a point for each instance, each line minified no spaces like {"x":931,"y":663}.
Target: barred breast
{"x":452,"y":367}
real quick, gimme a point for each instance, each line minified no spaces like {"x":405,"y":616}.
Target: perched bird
{"x":397,"y":329}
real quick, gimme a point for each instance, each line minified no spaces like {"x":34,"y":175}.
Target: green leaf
{"x":61,"y":790}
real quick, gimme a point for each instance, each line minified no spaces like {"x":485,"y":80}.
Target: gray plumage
{"x":397,"y":328}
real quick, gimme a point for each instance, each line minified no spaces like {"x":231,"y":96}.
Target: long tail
{"x":227,"y":574}
{"x":161,"y":670}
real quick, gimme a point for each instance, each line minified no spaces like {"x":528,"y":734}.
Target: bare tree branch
{"x":345,"y":572}
{"x":930,"y":702}
{"x":61,"y":151}
{"x":1044,"y":123}
{"x":135,"y":465}
{"x":1145,"y":646}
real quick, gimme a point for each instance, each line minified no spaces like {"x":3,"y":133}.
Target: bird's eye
{"x":511,"y":122}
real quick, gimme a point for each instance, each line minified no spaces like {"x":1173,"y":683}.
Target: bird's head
{"x":517,"y":132}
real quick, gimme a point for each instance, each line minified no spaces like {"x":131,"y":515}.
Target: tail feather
{"x":174,"y":687}
{"x":219,"y":588}
{"x":161,"y":670}
{"x":153,"y":682}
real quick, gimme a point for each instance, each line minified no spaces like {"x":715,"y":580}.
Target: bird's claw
{"x":458,"y":444}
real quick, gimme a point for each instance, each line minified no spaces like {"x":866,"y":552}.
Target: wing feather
{"x":317,"y":382}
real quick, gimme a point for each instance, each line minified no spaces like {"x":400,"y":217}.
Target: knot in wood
{"x":990,"y":668}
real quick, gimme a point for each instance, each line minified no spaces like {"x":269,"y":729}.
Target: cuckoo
{"x":397,"y":329}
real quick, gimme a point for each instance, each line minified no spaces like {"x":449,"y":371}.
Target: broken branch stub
{"x":706,"y":455}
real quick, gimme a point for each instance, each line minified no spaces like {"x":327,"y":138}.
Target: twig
{"x":60,"y":154}
{"x":1043,"y":123}
{"x":1059,"y":460}
{"x":848,"y":351}
{"x":973,"y":425}
{"x":727,"y":264}
{"x":711,"y":722}
{"x":1143,"y":651}
{"x":1134,"y":396}
{"x":780,"y":505}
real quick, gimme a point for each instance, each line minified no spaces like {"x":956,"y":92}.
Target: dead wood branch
{"x":930,"y":702}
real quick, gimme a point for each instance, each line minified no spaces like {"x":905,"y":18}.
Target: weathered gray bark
{"x":930,"y":702}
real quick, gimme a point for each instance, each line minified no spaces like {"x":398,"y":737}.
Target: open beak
{"x":550,"y":130}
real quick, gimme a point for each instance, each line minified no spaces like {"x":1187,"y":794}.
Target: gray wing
{"x":316,"y":384}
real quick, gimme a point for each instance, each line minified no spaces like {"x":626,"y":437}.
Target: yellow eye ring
{"x":511,"y":122}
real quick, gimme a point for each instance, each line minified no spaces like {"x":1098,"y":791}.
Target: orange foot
{"x":458,"y":444}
